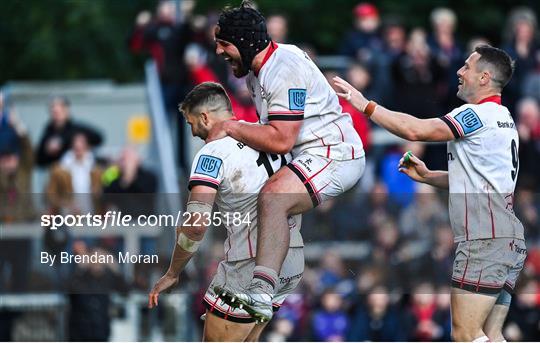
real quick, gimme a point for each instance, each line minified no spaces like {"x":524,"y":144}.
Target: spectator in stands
{"x":531,"y":83}
{"x":417,"y":78}
{"x":219,"y":67}
{"x":165,"y":38}
{"x":75,"y":183}
{"x":422,"y":315}
{"x":442,"y":316}
{"x":419,"y":81}
{"x":376,"y":208}
{"x":447,"y":51}
{"x":527,"y":210}
{"x":242,"y":104}
{"x":528,"y":124}
{"x":15,"y":199}
{"x":394,"y":37}
{"x":401,"y":191}
{"x":474,"y":42}
{"x":282,"y":330}
{"x":386,"y":247}
{"x":295,"y":310}
{"x":522,"y":44}
{"x":440,"y":257}
{"x":277,"y":27}
{"x":418,"y":220}
{"x":16,"y":163}
{"x":333,"y":274}
{"x":197,"y":67}
{"x":365,"y":45}
{"x":134,"y":185}
{"x":524,"y":315}
{"x":330,"y":323}
{"x":58,"y":134}
{"x":363,"y":42}
{"x":394,"y":44}
{"x":90,"y":287}
{"x":377,"y":320}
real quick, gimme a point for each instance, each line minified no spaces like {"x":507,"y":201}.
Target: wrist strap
{"x":370,"y":108}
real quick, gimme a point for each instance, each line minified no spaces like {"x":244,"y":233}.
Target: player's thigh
{"x":321,"y":178}
{"x":285,"y":191}
{"x":219,"y":329}
{"x":470,"y":310}
{"x":255,"y":333}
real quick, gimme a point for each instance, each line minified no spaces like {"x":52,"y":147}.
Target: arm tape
{"x":187,"y":243}
{"x":198,"y":206}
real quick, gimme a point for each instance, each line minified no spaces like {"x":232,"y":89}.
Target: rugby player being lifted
{"x":299,"y":113}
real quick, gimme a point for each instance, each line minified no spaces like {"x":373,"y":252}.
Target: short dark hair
{"x":209,"y":94}
{"x":61,"y":98}
{"x":499,"y":63}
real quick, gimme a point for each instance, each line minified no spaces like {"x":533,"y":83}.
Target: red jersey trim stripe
{"x":249,"y":243}
{"x":474,"y":283}
{"x":308,"y":181}
{"x":285,"y":112}
{"x":491,"y":215}
{"x":339,"y":128}
{"x":198,"y":178}
{"x":466,"y":214}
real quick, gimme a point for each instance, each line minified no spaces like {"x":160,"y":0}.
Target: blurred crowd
{"x":405,"y":225}
{"x":395,"y":286}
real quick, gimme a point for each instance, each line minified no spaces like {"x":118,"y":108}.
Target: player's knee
{"x":272,"y":197}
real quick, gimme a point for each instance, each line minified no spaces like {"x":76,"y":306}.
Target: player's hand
{"x":166,"y":282}
{"x":218,"y":131}
{"x":351,"y":94}
{"x":413,"y":167}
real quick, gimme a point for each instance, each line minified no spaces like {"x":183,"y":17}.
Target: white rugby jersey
{"x":290,"y":87}
{"x":483,"y":166}
{"x":238,"y":172}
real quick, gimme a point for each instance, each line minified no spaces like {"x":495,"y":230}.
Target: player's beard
{"x":237,"y":66}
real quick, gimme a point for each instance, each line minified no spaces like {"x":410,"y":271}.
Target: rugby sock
{"x":481,"y":339}
{"x":268,"y":276}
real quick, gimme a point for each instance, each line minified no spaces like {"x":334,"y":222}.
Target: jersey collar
{"x":494,"y":98}
{"x":273,"y":47}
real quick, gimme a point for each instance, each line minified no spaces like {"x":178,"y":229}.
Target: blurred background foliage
{"x":76,"y":39}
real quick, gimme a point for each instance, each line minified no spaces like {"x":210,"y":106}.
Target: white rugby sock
{"x":268,"y":275}
{"x":481,"y":339}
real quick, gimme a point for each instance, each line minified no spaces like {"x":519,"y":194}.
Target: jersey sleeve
{"x":207,"y":169}
{"x":287,"y":94}
{"x":463,"y":121}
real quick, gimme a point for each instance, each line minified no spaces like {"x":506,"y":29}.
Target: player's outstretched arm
{"x":416,"y":169}
{"x":401,"y":124}
{"x":188,"y":238}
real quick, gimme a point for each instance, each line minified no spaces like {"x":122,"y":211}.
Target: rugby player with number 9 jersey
{"x":482,"y":172}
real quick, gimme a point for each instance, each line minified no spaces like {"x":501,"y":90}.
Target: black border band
{"x":194,"y":183}
{"x":310,"y":189}
{"x":476,"y":288}
{"x":294,"y":117}
{"x":451,"y":126}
